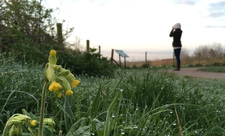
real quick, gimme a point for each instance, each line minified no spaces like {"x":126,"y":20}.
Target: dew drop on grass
{"x":121,"y":90}
{"x":135,"y":127}
{"x":218,"y":111}
{"x":113,"y":116}
{"x":92,"y":134}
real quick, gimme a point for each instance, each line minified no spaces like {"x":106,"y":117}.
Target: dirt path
{"x":193,"y":72}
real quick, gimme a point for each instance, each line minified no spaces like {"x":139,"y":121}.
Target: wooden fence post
{"x":112,"y":53}
{"x":99,"y":50}
{"x":145,"y":57}
{"x":87,"y":45}
{"x":59,"y":33}
{"x":125,"y":62}
{"x":120,"y":60}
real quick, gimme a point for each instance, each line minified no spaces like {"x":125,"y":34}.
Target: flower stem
{"x":5,"y":128}
{"x":40,"y":130}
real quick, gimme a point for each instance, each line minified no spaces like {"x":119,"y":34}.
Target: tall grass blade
{"x":110,"y":117}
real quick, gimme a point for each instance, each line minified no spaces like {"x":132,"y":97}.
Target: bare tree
{"x":209,"y":53}
{"x":76,"y":45}
{"x":218,"y":51}
{"x":184,"y":53}
{"x":201,"y":52}
{"x":185,"y":57}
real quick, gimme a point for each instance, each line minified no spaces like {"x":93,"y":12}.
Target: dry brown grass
{"x":166,"y":62}
{"x":170,"y":62}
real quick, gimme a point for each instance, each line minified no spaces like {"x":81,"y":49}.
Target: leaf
{"x":79,"y":128}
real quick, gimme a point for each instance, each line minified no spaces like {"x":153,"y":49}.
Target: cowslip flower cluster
{"x":59,"y":77}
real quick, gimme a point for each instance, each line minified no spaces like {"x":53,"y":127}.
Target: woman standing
{"x":176,"y":33}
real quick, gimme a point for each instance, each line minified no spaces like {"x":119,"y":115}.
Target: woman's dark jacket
{"x":176,"y":34}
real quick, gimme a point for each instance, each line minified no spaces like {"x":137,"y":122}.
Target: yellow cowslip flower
{"x":69,"y":92}
{"x":75,"y":83}
{"x":54,"y":86}
{"x":59,"y":95}
{"x":70,"y":77}
{"x":33,"y":122}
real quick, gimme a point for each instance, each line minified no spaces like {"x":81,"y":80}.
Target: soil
{"x":194,"y":72}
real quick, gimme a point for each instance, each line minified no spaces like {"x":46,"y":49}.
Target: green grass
{"x":220,"y":69}
{"x":136,"y":102}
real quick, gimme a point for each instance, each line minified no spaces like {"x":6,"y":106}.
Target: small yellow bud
{"x":69,"y":92}
{"x":52,"y":57}
{"x":75,"y":83}
{"x":53,"y":53}
{"x":33,"y":122}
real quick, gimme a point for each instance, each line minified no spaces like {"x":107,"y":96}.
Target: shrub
{"x":146,"y":65}
{"x":198,"y":65}
{"x":87,"y":63}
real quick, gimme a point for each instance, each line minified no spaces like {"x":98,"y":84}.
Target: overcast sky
{"x":142,"y":25}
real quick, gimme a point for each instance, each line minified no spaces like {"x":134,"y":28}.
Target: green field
{"x":135,"y":102}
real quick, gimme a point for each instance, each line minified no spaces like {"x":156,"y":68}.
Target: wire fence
{"x":134,"y":56}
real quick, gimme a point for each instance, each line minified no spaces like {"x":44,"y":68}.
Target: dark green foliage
{"x":25,"y":22}
{"x":146,"y":65}
{"x":86,"y":63}
{"x":198,"y":65}
{"x":216,"y":64}
{"x":27,"y":32}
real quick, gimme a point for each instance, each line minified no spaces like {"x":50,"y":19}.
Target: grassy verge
{"x":136,"y":102}
{"x":220,"y":69}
